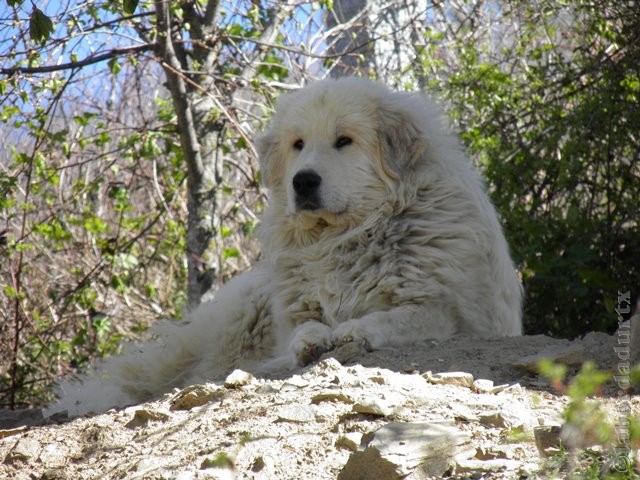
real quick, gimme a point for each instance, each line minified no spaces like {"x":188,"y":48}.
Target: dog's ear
{"x":270,"y":158}
{"x":402,"y":142}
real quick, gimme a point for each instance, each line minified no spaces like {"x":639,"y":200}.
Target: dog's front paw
{"x":353,"y":331}
{"x":309,"y":341}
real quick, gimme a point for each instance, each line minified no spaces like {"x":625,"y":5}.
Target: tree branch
{"x":90,"y":60}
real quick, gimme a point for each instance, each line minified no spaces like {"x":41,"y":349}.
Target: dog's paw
{"x":353,"y":331}
{"x":359,"y":330}
{"x":309,"y":341}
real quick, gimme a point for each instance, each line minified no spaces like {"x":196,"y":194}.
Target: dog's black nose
{"x":306,"y":183}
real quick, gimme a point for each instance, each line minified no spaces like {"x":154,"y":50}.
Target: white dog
{"x":378,"y":231}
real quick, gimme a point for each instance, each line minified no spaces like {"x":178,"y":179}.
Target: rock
{"x":295,"y":382}
{"x":12,"y":431}
{"x":53,"y":456}
{"x":462,"y":379}
{"x":464,"y":413}
{"x":485,"y":466}
{"x":296,"y":414}
{"x":195,"y":396}
{"x":373,"y":406}
{"x":572,"y":356}
{"x":331,"y":396}
{"x":25,"y":449}
{"x":399,"y":449}
{"x":142,"y":416}
{"x":345,"y":353}
{"x":367,"y":465}
{"x":349,"y":441}
{"x":238,"y":378}
{"x":547,"y":437}
{"x":493,"y":419}
{"x":486,"y":386}
{"x":513,"y":416}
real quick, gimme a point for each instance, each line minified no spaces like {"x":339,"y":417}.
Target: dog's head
{"x":340,"y":147}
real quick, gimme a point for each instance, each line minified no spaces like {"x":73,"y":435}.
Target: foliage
{"x":550,"y":113}
{"x":596,"y":443}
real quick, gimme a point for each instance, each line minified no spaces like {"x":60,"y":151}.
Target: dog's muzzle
{"x":306,"y":185}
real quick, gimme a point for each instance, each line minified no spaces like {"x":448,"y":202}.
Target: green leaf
{"x":40,"y":26}
{"x":129,"y":6}
{"x":114,"y":66}
{"x":328,"y":4}
{"x":230,"y":252}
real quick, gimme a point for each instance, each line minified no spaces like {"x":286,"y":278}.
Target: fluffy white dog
{"x":378,"y":231}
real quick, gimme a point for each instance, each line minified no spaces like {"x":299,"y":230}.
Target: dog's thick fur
{"x":378,"y":230}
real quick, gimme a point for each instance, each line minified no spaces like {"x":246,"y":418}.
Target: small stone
{"x":373,"y":406}
{"x":485,"y":466}
{"x":295,"y":382}
{"x":53,"y":456}
{"x":462,"y":412}
{"x":349,"y":441}
{"x":493,"y":419}
{"x":513,"y":416}
{"x":330,"y":396}
{"x":12,"y":431}
{"x":296,"y":414}
{"x":142,"y":416}
{"x":486,"y":386}
{"x":547,"y":437}
{"x":24,"y":450}
{"x":238,"y":378}
{"x":266,"y":389}
{"x":462,"y":379}
{"x":195,"y":396}
{"x":345,"y":353}
{"x":411,"y":368}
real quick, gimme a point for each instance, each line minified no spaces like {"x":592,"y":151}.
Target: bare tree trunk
{"x":204,"y":111}
{"x":199,"y":134}
{"x":377,"y":37}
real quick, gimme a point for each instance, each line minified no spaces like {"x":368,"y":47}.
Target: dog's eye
{"x":298,"y":144}
{"x":343,"y":141}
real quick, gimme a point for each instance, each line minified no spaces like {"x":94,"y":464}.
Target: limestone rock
{"x":379,"y":405}
{"x":486,"y":386}
{"x":296,"y":414}
{"x":485,"y":466}
{"x":399,"y":449}
{"x":195,"y":396}
{"x":349,"y":441}
{"x":25,"y":450}
{"x":238,"y":378}
{"x":294,"y":382}
{"x":331,"y":396}
{"x":142,"y":416}
{"x":513,"y":416}
{"x":462,"y":379}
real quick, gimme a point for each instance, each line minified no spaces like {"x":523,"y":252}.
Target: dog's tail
{"x":214,"y":337}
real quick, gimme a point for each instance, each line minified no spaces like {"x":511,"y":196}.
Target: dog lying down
{"x":378,"y":230}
